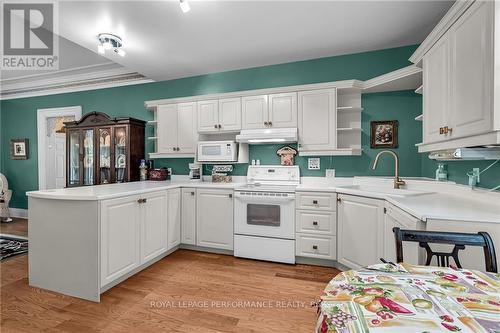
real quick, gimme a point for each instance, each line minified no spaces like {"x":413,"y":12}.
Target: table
{"x":408,"y":298}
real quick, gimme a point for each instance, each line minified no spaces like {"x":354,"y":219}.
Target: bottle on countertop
{"x":441,"y":173}
{"x":143,"y":171}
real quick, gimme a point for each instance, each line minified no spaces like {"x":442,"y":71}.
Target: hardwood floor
{"x":18,"y":227}
{"x":187,"y":291}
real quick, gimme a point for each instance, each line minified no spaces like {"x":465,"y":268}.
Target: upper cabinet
{"x":216,"y":116}
{"x":269,"y":111}
{"x":460,"y":71}
{"x":176,"y":129}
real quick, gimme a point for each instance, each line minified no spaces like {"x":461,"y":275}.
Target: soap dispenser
{"x":441,"y":173}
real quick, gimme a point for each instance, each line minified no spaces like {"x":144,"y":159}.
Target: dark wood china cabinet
{"x":103,"y":150}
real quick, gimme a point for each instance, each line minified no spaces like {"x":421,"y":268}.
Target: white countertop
{"x":457,"y":204}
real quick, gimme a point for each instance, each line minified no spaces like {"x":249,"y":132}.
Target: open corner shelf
{"x":349,"y":108}
{"x":346,"y":129}
{"x":419,"y":90}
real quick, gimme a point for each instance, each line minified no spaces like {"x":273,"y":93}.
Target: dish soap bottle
{"x":143,"y":173}
{"x":441,"y":173}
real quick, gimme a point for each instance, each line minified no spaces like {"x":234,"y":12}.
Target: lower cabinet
{"x":188,"y":216}
{"x":174,"y":218}
{"x":360,"y":223}
{"x":133,"y":231}
{"x":214,"y":218}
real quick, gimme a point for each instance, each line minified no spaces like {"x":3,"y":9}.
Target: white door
{"x":283,"y":110}
{"x":360,"y":231}
{"x":436,"y":91}
{"x":214,"y":218}
{"x":254,"y":112}
{"x":188,"y":216}
{"x":120,"y":231}
{"x":167,"y":128}
{"x":187,"y":136}
{"x":472,"y":71}
{"x":208,"y":116}
{"x":230,"y":114}
{"x":154,"y":225}
{"x":174,"y":218}
{"x":317,"y":120}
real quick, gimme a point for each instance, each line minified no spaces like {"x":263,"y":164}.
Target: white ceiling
{"x":163,"y":43}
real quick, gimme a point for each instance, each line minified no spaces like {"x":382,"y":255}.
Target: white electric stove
{"x":264,"y":214}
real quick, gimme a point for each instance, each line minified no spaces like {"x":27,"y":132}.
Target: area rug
{"x":12,"y":246}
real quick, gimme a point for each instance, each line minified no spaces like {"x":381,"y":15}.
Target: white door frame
{"x":42,"y":115}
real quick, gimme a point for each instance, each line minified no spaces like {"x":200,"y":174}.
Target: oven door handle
{"x":266,"y":198}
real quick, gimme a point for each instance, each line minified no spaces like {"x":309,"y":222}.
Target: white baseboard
{"x":19,"y":212}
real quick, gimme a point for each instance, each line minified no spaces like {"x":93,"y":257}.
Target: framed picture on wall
{"x":384,"y":134}
{"x":19,"y":149}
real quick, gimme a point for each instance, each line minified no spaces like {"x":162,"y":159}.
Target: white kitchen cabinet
{"x":395,"y":217}
{"x":174,"y":218}
{"x":176,"y":129}
{"x":214,"y":218}
{"x":316,"y":246}
{"x":153,"y":212}
{"x":188,"y":216}
{"x":254,"y":112}
{"x":472,"y":71}
{"x":283,"y":110}
{"x":317,"y":120}
{"x":230,"y":114}
{"x":208,"y":116}
{"x":360,"y":223}
{"x":120,"y":237}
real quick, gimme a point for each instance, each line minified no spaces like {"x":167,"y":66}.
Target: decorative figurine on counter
{"x":287,"y":155}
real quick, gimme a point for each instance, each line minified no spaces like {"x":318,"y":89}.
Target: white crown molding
{"x":458,"y":8}
{"x":99,"y":76}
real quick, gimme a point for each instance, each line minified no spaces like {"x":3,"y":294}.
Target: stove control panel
{"x":274,"y":174}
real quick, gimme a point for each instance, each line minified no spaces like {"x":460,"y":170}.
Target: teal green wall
{"x":18,"y":116}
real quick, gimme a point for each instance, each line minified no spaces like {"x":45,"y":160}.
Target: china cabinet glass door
{"x":88,"y":157}
{"x":120,"y":154}
{"x":104,"y":155}
{"x":74,"y":158}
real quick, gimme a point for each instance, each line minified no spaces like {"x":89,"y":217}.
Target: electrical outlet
{"x":313,"y":163}
{"x":330,"y":173}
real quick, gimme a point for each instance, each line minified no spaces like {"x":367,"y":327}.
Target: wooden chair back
{"x":460,"y":240}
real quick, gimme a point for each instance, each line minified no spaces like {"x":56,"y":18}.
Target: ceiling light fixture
{"x":184,"y":6}
{"x":110,"y":42}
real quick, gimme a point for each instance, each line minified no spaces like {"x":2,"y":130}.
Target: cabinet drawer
{"x":316,"y":222}
{"x":316,"y":246}
{"x":316,"y":201}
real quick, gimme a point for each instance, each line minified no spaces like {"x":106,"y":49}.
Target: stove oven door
{"x":265,"y":214}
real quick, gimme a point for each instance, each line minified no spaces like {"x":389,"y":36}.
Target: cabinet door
{"x":154,"y":225}
{"x":360,"y":230}
{"x":436,"y":90}
{"x":120,"y":231}
{"x":187,"y":136}
{"x":472,"y":71}
{"x":167,"y":128}
{"x":283,"y":110}
{"x":188,"y":216}
{"x":208,"y":116}
{"x":214,"y":218}
{"x":317,"y":120}
{"x":410,"y":249}
{"x":230,"y":114}
{"x":254,"y":111}
{"x":174,"y":218}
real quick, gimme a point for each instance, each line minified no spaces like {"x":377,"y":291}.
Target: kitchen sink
{"x":384,"y":191}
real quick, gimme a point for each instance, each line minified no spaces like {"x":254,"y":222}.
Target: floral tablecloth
{"x":406,"y":298}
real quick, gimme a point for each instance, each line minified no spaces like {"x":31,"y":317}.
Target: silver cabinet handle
{"x":266,"y":123}
{"x":270,"y":123}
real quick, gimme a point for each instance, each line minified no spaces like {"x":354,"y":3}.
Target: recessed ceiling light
{"x":185,"y":6}
{"x":110,"y":42}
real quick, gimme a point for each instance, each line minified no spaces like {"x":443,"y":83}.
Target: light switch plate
{"x":330,"y":173}
{"x":313,"y":163}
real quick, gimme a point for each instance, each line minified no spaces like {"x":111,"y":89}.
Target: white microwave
{"x":217,"y":151}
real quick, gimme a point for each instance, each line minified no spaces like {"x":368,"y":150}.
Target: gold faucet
{"x":398,"y":182}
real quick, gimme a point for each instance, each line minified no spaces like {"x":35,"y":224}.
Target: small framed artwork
{"x":384,"y":134}
{"x":19,"y":149}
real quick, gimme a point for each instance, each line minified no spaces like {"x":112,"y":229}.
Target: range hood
{"x":476,"y":153}
{"x":267,"y":135}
